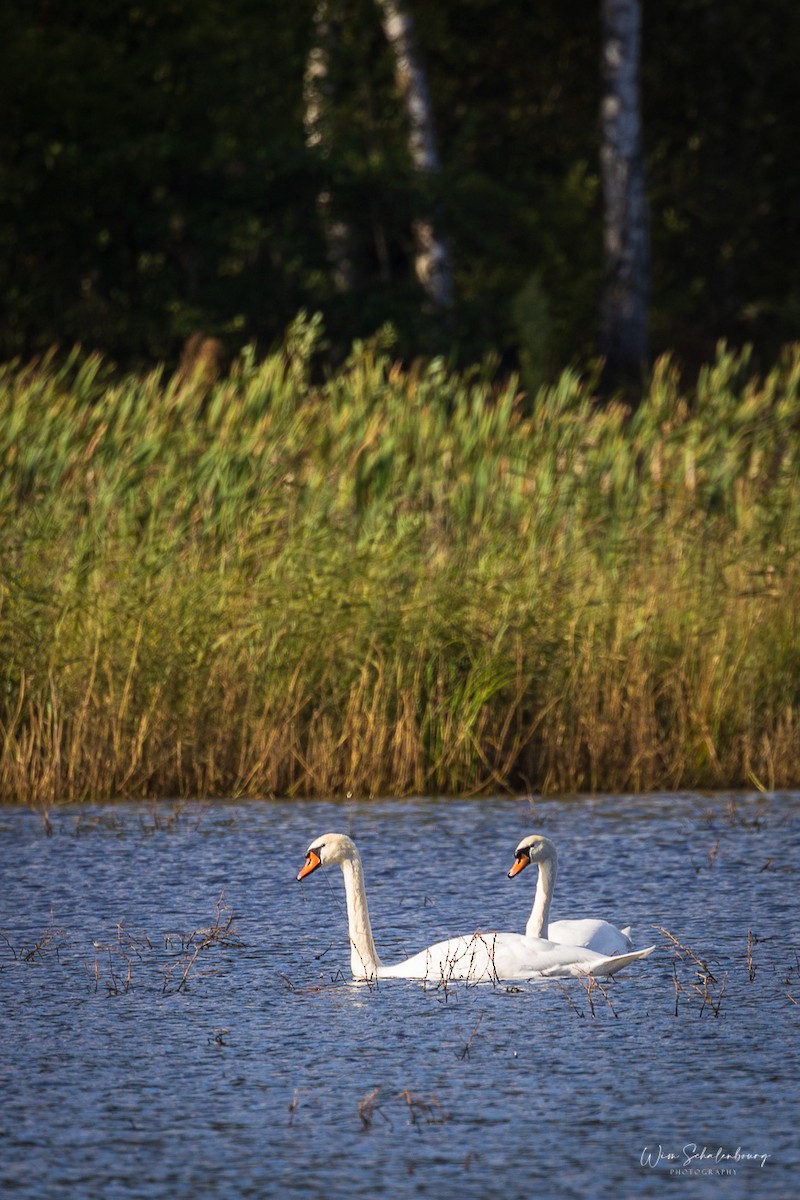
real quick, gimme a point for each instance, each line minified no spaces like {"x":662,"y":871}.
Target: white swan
{"x":478,"y":957}
{"x":592,"y":934}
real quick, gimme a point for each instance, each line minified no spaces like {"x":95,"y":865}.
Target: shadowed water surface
{"x":136,"y":1060}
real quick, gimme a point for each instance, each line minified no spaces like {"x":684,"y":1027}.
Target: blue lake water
{"x":139,"y":1061}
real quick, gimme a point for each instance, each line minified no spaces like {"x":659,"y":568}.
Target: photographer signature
{"x":692,"y":1155}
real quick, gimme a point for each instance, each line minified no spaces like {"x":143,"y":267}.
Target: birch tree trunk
{"x":626,"y":288}
{"x":431,"y":255}
{"x":317,"y":99}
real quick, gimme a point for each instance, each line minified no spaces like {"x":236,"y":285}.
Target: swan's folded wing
{"x":593,"y":934}
{"x":550,"y":960}
{"x":616,"y":962}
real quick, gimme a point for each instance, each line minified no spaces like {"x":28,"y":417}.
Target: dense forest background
{"x":156,"y":181}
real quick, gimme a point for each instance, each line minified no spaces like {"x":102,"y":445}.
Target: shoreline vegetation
{"x":400,"y":580}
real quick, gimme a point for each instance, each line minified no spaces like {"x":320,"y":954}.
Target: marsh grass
{"x":367,"y":1108}
{"x":419,"y":1110}
{"x":221,"y":932}
{"x":752,"y":940}
{"x":113,"y":967}
{"x":395,"y":581}
{"x":51,"y":941}
{"x":593,"y":987}
{"x":465,"y":1051}
{"x":695,"y":979}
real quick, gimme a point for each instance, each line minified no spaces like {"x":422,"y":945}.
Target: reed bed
{"x":399,"y":580}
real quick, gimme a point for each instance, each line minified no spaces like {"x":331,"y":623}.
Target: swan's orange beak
{"x":520,"y":863}
{"x":312,"y":862}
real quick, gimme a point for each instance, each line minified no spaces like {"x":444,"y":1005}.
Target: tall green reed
{"x":395,"y":580}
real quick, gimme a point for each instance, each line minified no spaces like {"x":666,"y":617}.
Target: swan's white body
{"x":592,"y":934}
{"x":478,"y":957}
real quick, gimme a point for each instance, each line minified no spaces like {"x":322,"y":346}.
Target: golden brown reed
{"x":397,"y":581}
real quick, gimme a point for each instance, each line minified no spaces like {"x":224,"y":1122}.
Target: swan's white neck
{"x":364,"y":961}
{"x":539,"y":919}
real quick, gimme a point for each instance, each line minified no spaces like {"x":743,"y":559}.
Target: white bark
{"x":623,"y":325}
{"x":431,"y":256}
{"x":317,"y":99}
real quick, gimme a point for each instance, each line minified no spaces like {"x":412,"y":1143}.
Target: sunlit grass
{"x":398,"y":581}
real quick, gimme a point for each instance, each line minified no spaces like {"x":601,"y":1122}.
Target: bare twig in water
{"x":6,"y":940}
{"x":711,"y":857}
{"x":296,"y":1102}
{"x":367,"y":1108}
{"x":420,"y":1109}
{"x":309,"y":990}
{"x":464,"y":1051}
{"x":794,"y":969}
{"x":591,"y":984}
{"x":565,"y":992}
{"x":751,"y":967}
{"x":716,"y":1006}
{"x":167,"y":821}
{"x":678,"y":986}
{"x":118,"y":979}
{"x":51,"y":940}
{"x":117,"y":983}
{"x":134,"y":943}
{"x":684,"y":952}
{"x":792,"y":974}
{"x":705,"y":981}
{"x":221,"y":933}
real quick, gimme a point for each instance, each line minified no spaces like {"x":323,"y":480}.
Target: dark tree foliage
{"x":721,"y":114}
{"x":153,"y":176}
{"x":155,"y":180}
